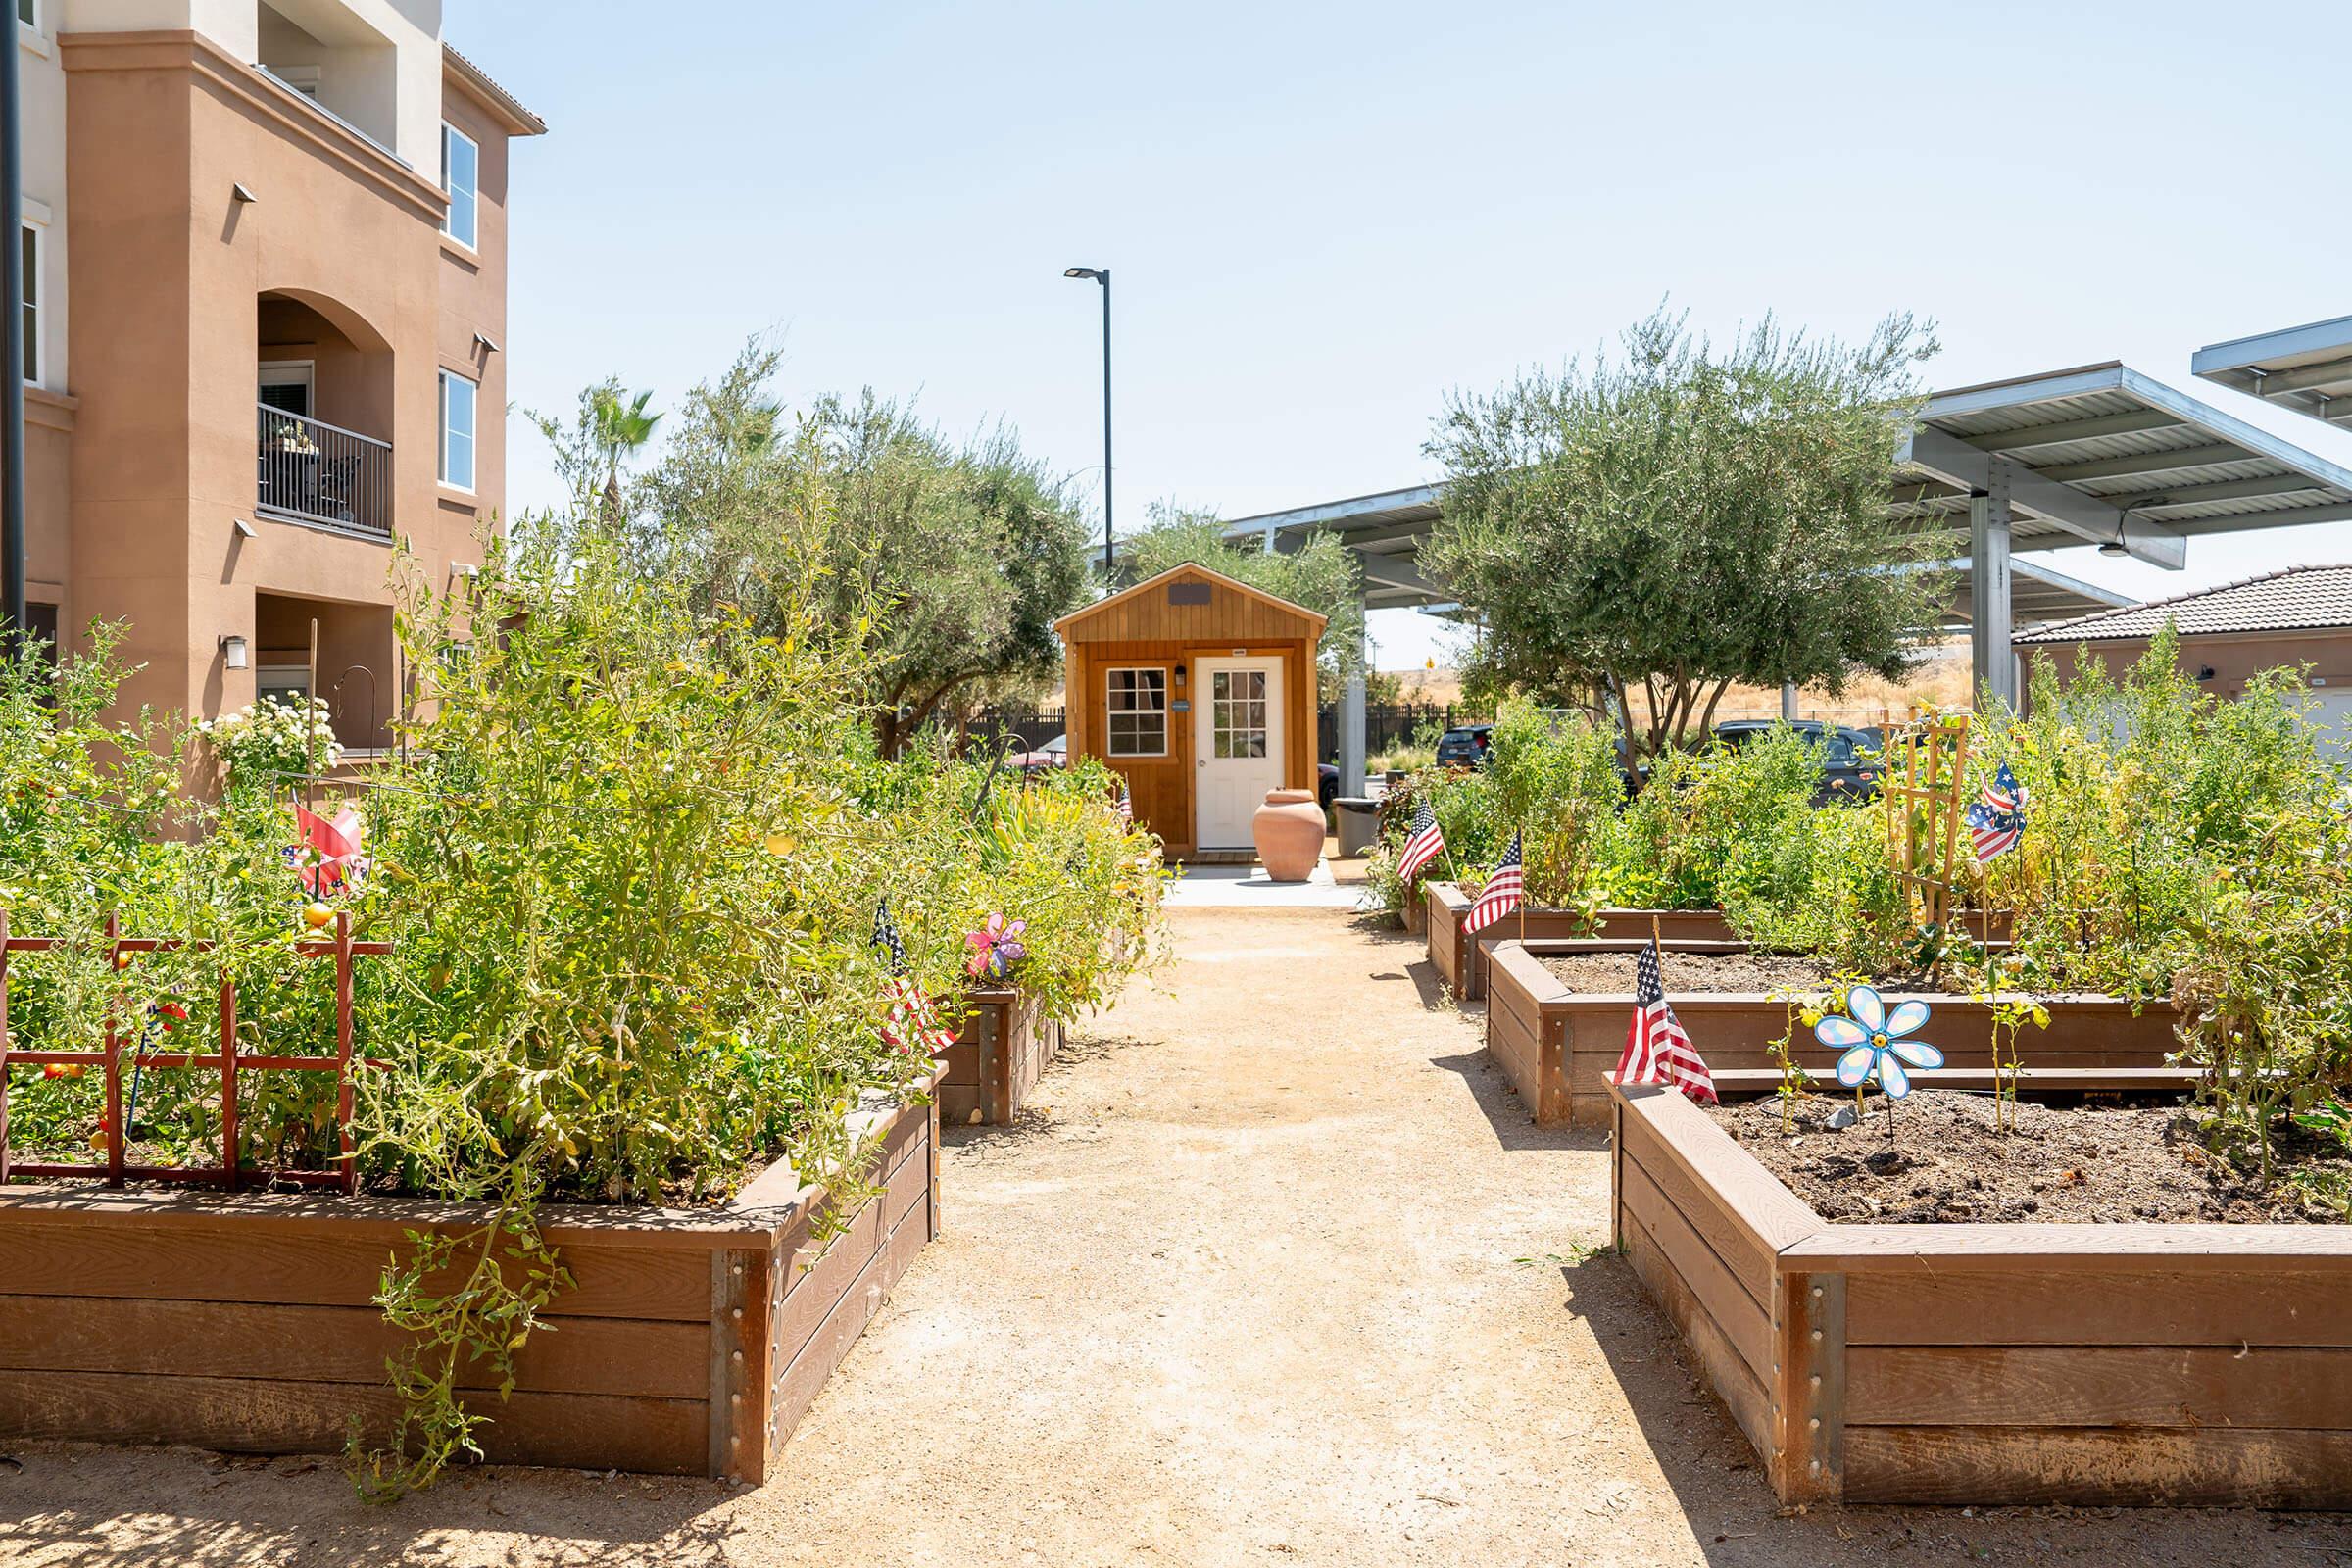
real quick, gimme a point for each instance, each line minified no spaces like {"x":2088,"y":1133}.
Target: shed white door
{"x":1237,"y":747}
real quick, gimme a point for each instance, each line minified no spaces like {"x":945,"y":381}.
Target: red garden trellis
{"x":343,"y":1173}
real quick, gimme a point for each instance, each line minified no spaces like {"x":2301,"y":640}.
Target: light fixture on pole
{"x":1102,"y":276}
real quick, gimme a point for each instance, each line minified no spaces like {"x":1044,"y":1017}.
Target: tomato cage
{"x":343,"y":1172}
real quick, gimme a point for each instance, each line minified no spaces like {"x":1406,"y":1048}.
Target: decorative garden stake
{"x":997,"y":947}
{"x":1874,"y":1045}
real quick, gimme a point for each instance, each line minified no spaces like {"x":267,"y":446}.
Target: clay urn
{"x":1289,"y":832}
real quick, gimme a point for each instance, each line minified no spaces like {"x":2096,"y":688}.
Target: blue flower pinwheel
{"x":1874,"y":1044}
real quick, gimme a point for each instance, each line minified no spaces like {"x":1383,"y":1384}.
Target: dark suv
{"x":1465,"y":746}
{"x":1850,"y":764}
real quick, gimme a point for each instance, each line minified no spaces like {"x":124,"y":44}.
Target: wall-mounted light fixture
{"x":245,"y":530}
{"x":242,"y":195}
{"x":234,"y":653}
{"x":1179,"y":674}
{"x":488,"y":343}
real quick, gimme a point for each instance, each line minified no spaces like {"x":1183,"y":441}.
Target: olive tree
{"x":1681,"y":517}
{"x":948,"y":562}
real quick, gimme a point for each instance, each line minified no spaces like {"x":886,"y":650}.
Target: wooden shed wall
{"x":1163,"y":786}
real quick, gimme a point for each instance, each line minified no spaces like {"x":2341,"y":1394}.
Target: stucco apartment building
{"x":265,"y":323}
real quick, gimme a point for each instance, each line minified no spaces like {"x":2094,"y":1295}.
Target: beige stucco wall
{"x":2233,"y":660}
{"x":170,"y":274}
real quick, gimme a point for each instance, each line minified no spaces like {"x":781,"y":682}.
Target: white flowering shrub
{"x":269,"y":746}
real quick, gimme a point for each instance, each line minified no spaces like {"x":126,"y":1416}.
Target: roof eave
{"x":503,"y":104}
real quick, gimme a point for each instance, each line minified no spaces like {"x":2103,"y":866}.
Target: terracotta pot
{"x":1289,"y":832}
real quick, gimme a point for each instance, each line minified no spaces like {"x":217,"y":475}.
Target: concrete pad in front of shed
{"x":1232,"y":887}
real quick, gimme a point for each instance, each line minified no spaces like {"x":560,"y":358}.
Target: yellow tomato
{"x":316,"y":916}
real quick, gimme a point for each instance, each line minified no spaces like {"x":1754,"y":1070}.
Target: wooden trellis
{"x":1924,"y":815}
{"x":343,"y":1172}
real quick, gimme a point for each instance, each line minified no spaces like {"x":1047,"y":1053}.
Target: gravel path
{"x":1278,"y":1273}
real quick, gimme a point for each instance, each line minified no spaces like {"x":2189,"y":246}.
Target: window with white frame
{"x":457,"y":396}
{"x":1138,"y":713}
{"x":461,"y":179}
{"x":29,"y":12}
{"x":31,"y":252}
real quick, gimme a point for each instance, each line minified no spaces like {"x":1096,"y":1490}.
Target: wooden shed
{"x":1200,"y":691}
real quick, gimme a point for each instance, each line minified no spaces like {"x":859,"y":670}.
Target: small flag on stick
{"x":1503,"y":892}
{"x":912,"y":1023}
{"x":1126,"y":806}
{"x":1997,"y":820}
{"x":1656,"y":1050}
{"x":1427,"y":843}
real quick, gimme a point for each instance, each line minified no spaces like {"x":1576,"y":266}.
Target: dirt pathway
{"x":1279,"y":1274}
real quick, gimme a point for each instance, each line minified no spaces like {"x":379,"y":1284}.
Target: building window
{"x":457,"y":430}
{"x":460,"y":178}
{"x":29,"y":12}
{"x":32,"y":243}
{"x":1138,"y":712}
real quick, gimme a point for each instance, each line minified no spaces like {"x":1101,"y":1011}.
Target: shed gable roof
{"x":1072,"y":625}
{"x":2296,"y":599}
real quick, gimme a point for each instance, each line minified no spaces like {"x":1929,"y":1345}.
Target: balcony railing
{"x":321,"y":473}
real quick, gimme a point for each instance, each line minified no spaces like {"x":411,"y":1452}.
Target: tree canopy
{"x":1681,"y":517}
{"x":1321,"y":575}
{"x":970,"y":551}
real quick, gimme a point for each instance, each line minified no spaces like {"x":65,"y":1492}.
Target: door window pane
{"x":1237,"y":713}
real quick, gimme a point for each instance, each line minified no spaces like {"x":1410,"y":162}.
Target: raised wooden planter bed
{"x":1002,"y":1048}
{"x":691,"y":1343}
{"x":1997,"y":1364}
{"x":1558,"y":1046}
{"x":1462,"y":961}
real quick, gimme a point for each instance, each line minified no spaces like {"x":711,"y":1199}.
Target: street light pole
{"x":1102,"y":276}
{"x":12,"y":344}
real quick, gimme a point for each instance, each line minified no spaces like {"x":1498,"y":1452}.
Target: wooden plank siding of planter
{"x":1997,"y":1364}
{"x":1559,"y":1046}
{"x":1002,"y":1047}
{"x":1463,"y":961}
{"x":690,"y":1343}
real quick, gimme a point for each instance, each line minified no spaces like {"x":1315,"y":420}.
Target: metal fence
{"x":994,"y":729}
{"x":1390,"y":725}
{"x":323,"y":473}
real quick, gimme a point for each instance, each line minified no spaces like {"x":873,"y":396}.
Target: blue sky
{"x":1322,"y":217}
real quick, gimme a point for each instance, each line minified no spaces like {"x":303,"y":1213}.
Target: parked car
{"x":1056,"y":753}
{"x":1849,"y":765}
{"x":1327,"y":783}
{"x":1465,"y":746}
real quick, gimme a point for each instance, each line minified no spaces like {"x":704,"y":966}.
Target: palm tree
{"x":617,"y":427}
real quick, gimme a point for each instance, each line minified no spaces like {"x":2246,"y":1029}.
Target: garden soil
{"x":1279,"y":1273}
{"x":1941,"y":1159}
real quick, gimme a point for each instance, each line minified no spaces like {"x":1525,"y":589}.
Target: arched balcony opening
{"x":324,"y":391}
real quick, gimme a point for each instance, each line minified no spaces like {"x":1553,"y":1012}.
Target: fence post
{"x":343,"y":1043}
{"x":116,"y":1134}
{"x":3,"y":1044}
{"x":228,"y":1078}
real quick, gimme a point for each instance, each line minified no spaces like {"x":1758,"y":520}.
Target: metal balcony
{"x":319,"y":473}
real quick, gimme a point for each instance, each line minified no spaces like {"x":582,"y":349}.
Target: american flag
{"x":1656,"y":1051}
{"x":1998,"y":818}
{"x":1501,"y":894}
{"x":912,"y":1024}
{"x":1427,"y":843}
{"x":1126,"y":806}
